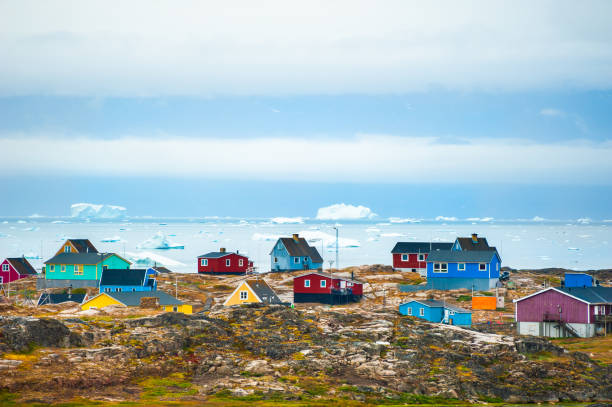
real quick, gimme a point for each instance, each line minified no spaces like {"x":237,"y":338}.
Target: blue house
{"x":474,"y":269}
{"x":437,"y":311}
{"x":294,"y":253}
{"x":578,"y":280}
{"x":118,"y":280}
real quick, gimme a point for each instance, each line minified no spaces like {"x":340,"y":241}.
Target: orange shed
{"x":484,"y":303}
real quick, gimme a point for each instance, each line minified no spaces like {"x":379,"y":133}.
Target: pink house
{"x":12,"y":269}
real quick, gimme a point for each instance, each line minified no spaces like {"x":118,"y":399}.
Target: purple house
{"x":565,"y":311}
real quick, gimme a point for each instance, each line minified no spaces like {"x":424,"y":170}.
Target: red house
{"x":15,"y":268}
{"x":223,"y":262}
{"x":326,"y":288}
{"x":412,"y":256}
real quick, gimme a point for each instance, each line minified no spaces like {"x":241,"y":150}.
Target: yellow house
{"x":132,"y":299}
{"x":252,"y":291}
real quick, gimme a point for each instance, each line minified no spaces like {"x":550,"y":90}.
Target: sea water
{"x":521,"y":244}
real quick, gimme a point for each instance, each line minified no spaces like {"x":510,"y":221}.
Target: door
{"x":446,"y":313}
{"x":342,"y":284}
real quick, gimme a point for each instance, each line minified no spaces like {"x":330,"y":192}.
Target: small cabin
{"x":224,"y":262}
{"x":326,"y":288}
{"x":144,"y":299}
{"x":294,"y":253}
{"x":252,"y":291}
{"x":15,"y":268}
{"x":437,"y":312}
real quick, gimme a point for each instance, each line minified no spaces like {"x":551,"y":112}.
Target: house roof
{"x":589,"y":295}
{"x":162,"y":269}
{"x":124,"y":277}
{"x":80,"y":258}
{"x":420,"y":247}
{"x":332,"y":276}
{"x":467,"y":243}
{"x":474,"y":256}
{"x":83,"y":245}
{"x":132,"y":299}
{"x":215,"y":255}
{"x":263,"y":291}
{"x":440,"y":304}
{"x":22,"y":265}
{"x":300,"y":248}
{"x":46,"y":298}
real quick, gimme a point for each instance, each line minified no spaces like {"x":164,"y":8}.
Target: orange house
{"x":484,"y":303}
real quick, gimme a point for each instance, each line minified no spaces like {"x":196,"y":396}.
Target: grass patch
{"x":599,"y":347}
{"x":463,"y":298}
{"x":173,"y":387}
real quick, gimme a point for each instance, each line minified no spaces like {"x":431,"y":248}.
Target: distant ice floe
{"x":21,"y":221}
{"x":486,"y":219}
{"x":35,"y":216}
{"x":32,"y":256}
{"x":59,"y":221}
{"x":329,"y":241}
{"x":404,"y":220}
{"x":96,"y":211}
{"x":573,"y":249}
{"x":584,"y":221}
{"x":264,"y":237}
{"x":344,"y":211}
{"x":282,"y":220}
{"x":148,"y":259}
{"x":446,"y":218}
{"x":32,"y":229}
{"x":113,"y":239}
{"x":538,"y":219}
{"x":160,"y":241}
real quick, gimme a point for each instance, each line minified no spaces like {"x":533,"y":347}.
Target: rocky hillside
{"x":278,"y":353}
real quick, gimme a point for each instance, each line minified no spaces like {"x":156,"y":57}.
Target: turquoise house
{"x":294,"y":253}
{"x":437,"y":312}
{"x":79,"y":269}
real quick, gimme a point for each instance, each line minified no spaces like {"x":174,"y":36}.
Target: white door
{"x":342,"y":284}
{"x":446,"y":316}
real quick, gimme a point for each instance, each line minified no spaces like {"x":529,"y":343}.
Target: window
{"x":296,"y":260}
{"x":52,"y":268}
{"x":66,"y":249}
{"x":241,"y":262}
{"x":78,"y":270}
{"x":204,"y":262}
{"x":119,"y":289}
{"x":133,"y":290}
{"x":5,"y":267}
{"x":107,"y":289}
{"x":451,"y":313}
{"x":175,"y":309}
{"x":63,"y":268}
{"x":421,"y":257}
{"x":482,"y":267}
{"x":440,"y":268}
{"x":305,"y":259}
{"x":409,"y":311}
{"x":404,"y":257}
{"x":276,"y":260}
{"x":306,"y":283}
{"x":422,"y":312}
{"x":323,"y":283}
{"x":461,"y":266}
{"x":227,"y":262}
{"x":497,"y":266}
{"x":244,"y":295}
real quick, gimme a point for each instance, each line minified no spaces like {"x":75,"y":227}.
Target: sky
{"x":278,"y":108}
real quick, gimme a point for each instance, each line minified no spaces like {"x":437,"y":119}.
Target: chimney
{"x":296,"y":236}
{"x":237,"y":251}
{"x":474,"y":238}
{"x":222,"y":250}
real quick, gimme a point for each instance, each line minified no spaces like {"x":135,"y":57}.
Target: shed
{"x":578,"y":280}
{"x":437,"y":312}
{"x":252,"y":291}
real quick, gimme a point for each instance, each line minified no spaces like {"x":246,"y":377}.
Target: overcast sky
{"x":398,"y":92}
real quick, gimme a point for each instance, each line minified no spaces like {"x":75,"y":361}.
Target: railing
{"x":554,"y":317}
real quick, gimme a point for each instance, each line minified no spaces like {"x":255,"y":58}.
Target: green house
{"x":79,"y":269}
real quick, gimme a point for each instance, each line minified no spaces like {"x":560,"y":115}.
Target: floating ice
{"x":404,"y":220}
{"x":486,"y":219}
{"x":35,"y":215}
{"x":573,"y":249}
{"x":329,"y":240}
{"x":584,"y":221}
{"x":113,"y":239}
{"x":32,"y":229}
{"x":159,"y":241}
{"x":21,"y":221}
{"x":538,"y":219}
{"x":59,"y":221}
{"x":264,"y":237}
{"x":148,"y":259}
{"x":344,"y":211}
{"x":446,"y":218}
{"x":95,"y":211}
{"x":392,"y":235}
{"x":282,"y":220}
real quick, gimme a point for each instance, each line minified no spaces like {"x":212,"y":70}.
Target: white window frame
{"x":244,"y":295}
{"x":296,"y":260}
{"x":241,"y":262}
{"x":5,"y":267}
{"x":410,"y":311}
{"x":442,"y":268}
{"x":306,"y":283}
{"x":480,"y":266}
{"x":67,"y":249}
{"x":305,"y":259}
{"x":203,"y":262}
{"x":323,"y":283}
{"x":461,"y":266}
{"x":404,"y":257}
{"x":228,"y":262}
{"x":421,"y":312}
{"x":78,"y":271}
{"x":421,"y":257}
{"x":118,"y":289}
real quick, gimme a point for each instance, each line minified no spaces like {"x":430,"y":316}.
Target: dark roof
{"x":46,"y":298}
{"x":467,"y":243}
{"x":22,"y":266}
{"x":161,"y":269}
{"x":123,"y":277}
{"x":301,"y":248}
{"x":132,"y":299}
{"x":264,"y":291}
{"x":332,"y":276}
{"x":83,"y":245}
{"x":475,"y":256}
{"x":420,"y":247}
{"x":440,"y":304}
{"x":215,"y":255}
{"x":593,"y":295}
{"x":79,"y":258}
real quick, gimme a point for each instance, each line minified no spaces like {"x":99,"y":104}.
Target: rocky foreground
{"x":279,"y":353}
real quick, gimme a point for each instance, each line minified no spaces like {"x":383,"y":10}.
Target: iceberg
{"x":148,"y":259}
{"x":573,"y":249}
{"x":282,"y":220}
{"x":404,"y":220}
{"x":159,"y":241}
{"x":584,"y":221}
{"x":343,"y":211}
{"x":35,"y":216}
{"x":446,"y":218}
{"x":114,"y":239}
{"x":538,"y":219}
{"x":96,"y":211}
{"x":329,"y":241}
{"x":487,"y":219}
{"x":59,"y":221}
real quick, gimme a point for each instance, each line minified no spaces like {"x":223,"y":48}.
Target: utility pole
{"x":337,"y":262}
